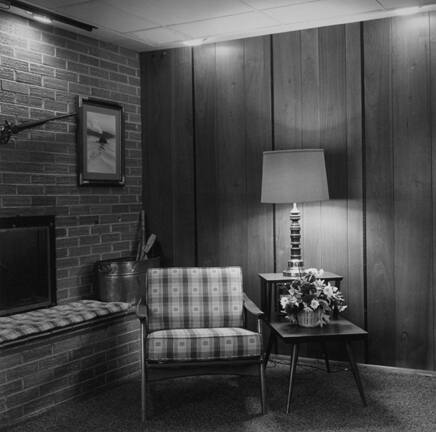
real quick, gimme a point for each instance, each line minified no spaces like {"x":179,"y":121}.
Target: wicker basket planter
{"x":309,"y":318}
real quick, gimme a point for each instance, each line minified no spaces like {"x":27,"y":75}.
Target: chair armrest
{"x":141,"y":310}
{"x":252,"y":307}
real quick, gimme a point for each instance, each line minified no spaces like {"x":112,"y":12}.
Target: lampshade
{"x":294,"y":176}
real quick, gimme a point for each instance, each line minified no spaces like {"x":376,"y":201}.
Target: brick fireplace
{"x":42,"y":71}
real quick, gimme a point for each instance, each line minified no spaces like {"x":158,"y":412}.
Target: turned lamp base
{"x":295,"y":263}
{"x":295,"y":268}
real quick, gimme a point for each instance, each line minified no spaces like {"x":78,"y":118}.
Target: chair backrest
{"x":194,"y":297}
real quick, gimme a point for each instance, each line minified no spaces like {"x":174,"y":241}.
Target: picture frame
{"x":100,"y":131}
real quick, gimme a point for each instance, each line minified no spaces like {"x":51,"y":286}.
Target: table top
{"x":279,"y":277}
{"x":339,"y":328}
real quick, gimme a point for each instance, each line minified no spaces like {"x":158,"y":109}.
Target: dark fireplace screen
{"x":27,"y":263}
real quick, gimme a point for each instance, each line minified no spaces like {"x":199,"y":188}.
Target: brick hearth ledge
{"x":49,"y":320}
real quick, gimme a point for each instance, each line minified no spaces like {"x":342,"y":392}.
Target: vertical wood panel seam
{"x":364,"y":191}
{"x":194,"y":155}
{"x":244,"y":90}
{"x":433,"y":273}
{"x":345,"y":90}
{"x":391,"y":144}
{"x":273,"y":145}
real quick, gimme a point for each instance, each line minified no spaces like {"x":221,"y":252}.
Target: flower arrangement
{"x":309,"y":293}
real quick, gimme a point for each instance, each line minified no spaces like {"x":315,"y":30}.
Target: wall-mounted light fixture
{"x":43,"y":15}
{"x":8,"y":129}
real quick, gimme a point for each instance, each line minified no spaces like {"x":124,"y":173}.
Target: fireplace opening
{"x":27,"y":263}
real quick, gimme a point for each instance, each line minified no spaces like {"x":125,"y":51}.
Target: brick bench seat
{"x":40,"y":322}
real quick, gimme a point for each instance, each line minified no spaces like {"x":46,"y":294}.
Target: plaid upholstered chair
{"x":192,"y":323}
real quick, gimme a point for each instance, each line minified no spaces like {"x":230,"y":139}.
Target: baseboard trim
{"x":319,"y":362}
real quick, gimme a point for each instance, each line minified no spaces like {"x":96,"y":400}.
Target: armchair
{"x":192,"y":323}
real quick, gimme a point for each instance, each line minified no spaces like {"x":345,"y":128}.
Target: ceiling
{"x":144,"y":25}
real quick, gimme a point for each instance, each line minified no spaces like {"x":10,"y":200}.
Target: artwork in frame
{"x":101,"y":142}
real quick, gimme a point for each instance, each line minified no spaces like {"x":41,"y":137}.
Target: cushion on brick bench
{"x":41,"y":320}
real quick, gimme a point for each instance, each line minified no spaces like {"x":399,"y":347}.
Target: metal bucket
{"x":123,"y":279}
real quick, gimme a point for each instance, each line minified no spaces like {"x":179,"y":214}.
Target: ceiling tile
{"x":322,"y":9}
{"x":158,"y":36}
{"x":235,"y":24}
{"x":54,"y":4}
{"x":148,"y":24}
{"x":165,"y":12}
{"x":106,"y":16}
{"x":120,"y":39}
{"x":396,"y":4}
{"x":265,"y":4}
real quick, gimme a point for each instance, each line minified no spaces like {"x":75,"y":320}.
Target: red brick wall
{"x":38,"y":375}
{"x":42,"y":70}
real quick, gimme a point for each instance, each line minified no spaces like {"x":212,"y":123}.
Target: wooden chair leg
{"x":262,"y":388}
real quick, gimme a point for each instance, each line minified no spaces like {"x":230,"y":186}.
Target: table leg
{"x":293,"y":366}
{"x":263,"y":297}
{"x":355,"y":371}
{"x":269,"y":288}
{"x":326,"y":356}
{"x":268,"y":348}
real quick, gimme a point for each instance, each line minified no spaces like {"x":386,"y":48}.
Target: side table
{"x":338,"y":329}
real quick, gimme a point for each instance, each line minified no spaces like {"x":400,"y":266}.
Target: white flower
{"x":328,"y":290}
{"x":314,"y":304}
{"x":314,"y":271}
{"x":284,"y":300}
{"x":319,"y":283}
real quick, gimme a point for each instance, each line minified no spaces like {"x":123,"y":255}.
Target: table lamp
{"x":291,"y":177}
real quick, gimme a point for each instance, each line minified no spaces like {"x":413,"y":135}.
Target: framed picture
{"x":101,"y":142}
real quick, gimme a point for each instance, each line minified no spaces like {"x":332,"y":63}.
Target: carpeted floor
{"x":321,"y":402}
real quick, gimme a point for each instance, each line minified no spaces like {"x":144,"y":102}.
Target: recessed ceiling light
{"x":42,"y":19}
{"x":407,"y":11}
{"x":194,"y":42}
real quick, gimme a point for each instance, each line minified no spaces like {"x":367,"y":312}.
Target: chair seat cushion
{"x":203,"y":344}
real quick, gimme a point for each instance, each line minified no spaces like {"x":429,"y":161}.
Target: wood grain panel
{"x":258,"y":125}
{"x":310,"y":138}
{"x":399,"y":191}
{"x":412,"y":188}
{"x":287,"y":122}
{"x":168,"y":153}
{"x":235,"y":91}
{"x":432,"y":300}
{"x":379,"y":191}
{"x":333,"y":118}
{"x":353,"y":286}
{"x":220,"y":162}
{"x":207,"y":176}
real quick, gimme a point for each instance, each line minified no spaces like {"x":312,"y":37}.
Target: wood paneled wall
{"x":399,"y":191}
{"x":361,"y":92}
